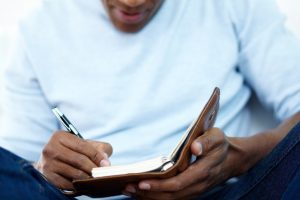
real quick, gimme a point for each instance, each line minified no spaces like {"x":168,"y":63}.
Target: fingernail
{"x":144,"y":186}
{"x":104,"y":163}
{"x":198,"y":148}
{"x":130,"y":189}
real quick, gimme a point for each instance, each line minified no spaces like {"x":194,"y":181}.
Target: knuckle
{"x":79,"y":162}
{"x":216,"y":130}
{"x":79,"y":174}
{"x":65,"y":185}
{"x":48,"y":152}
{"x":106,"y":147}
{"x":97,"y":157}
{"x":56,"y":136}
{"x":215,"y":138}
{"x":80,"y":144}
{"x":45,"y":151}
{"x":218,"y":135}
{"x":205,"y":173}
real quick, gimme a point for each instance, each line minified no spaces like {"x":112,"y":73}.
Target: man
{"x":145,"y":76}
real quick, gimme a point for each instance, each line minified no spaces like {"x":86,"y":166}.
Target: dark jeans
{"x":277,"y":176}
{"x":19,"y":180}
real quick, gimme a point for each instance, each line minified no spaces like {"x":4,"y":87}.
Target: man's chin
{"x":129,"y":28}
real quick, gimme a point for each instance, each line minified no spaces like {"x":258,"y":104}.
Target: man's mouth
{"x":129,"y":18}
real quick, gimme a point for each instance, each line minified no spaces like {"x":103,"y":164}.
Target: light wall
{"x":10,"y":12}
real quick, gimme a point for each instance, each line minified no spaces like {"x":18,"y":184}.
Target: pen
{"x":64,"y":120}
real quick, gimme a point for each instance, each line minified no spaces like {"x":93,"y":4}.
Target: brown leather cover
{"x":114,"y":185}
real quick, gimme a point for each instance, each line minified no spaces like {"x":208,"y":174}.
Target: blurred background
{"x":10,"y":13}
{"x":12,"y":10}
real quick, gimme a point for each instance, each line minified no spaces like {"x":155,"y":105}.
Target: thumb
{"x":207,"y":142}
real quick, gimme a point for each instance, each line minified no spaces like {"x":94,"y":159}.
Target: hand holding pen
{"x":66,"y":158}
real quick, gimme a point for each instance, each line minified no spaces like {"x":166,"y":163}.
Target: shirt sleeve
{"x":269,"y":55}
{"x":28,"y":121}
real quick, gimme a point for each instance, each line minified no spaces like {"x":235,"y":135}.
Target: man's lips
{"x":129,"y":18}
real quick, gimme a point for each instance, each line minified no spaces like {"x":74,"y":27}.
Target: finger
{"x":77,"y":160}
{"x":106,"y":148}
{"x":195,"y":173}
{"x":81,"y":146}
{"x":102,"y":146}
{"x":65,"y":155}
{"x":176,"y":183}
{"x":133,"y":191}
{"x":105,"y":163}
{"x":192,"y":192}
{"x":68,"y":171}
{"x":59,"y":181}
{"x":207,"y":142}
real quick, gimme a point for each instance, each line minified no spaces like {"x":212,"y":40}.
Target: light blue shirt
{"x":140,"y":91}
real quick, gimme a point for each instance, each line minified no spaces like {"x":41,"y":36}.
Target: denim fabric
{"x":293,"y":190}
{"x":19,"y":180}
{"x":277,"y":176}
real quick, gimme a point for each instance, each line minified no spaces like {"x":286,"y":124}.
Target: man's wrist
{"x":244,"y":153}
{"x":238,"y":157}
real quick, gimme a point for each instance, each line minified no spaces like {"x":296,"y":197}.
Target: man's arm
{"x":254,"y":148}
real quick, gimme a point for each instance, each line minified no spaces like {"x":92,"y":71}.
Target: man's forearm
{"x":246,"y":152}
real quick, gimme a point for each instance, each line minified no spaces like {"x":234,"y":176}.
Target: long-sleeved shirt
{"x":140,"y":91}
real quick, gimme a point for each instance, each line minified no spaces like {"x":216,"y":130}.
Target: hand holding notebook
{"x":109,"y":181}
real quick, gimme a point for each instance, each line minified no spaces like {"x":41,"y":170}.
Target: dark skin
{"x":67,"y":157}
